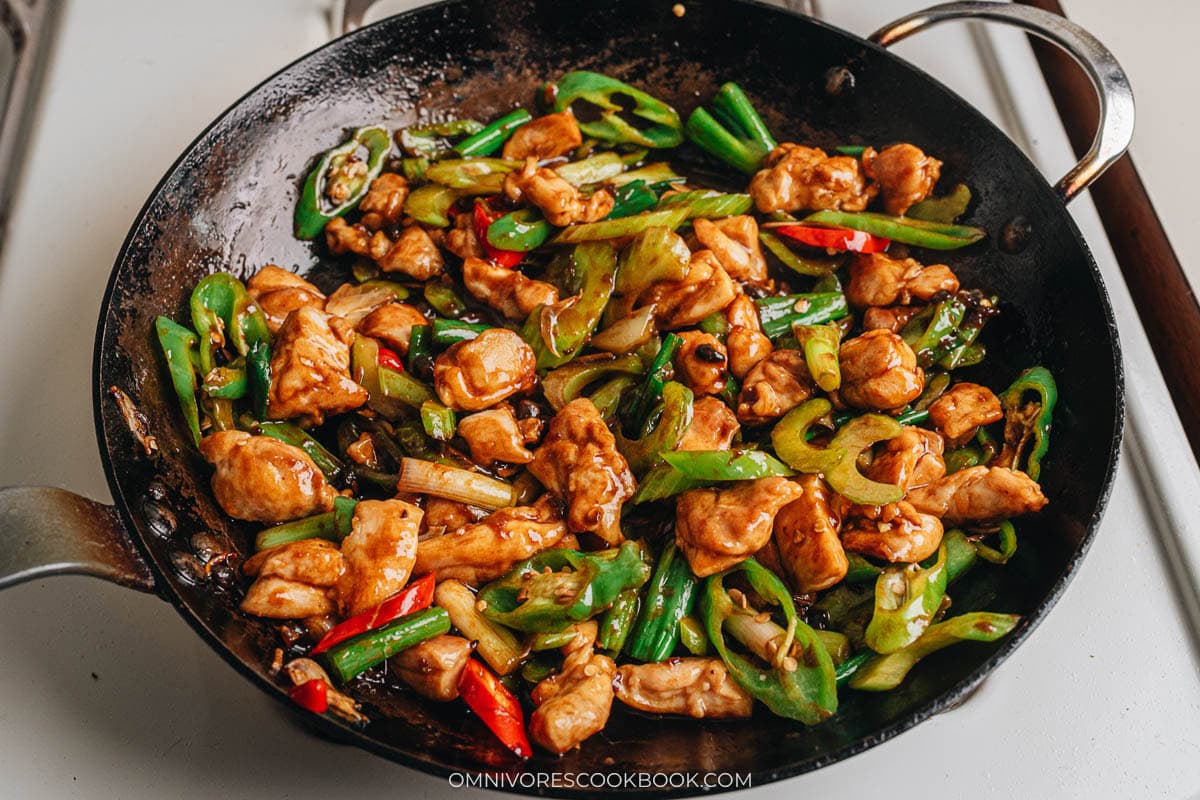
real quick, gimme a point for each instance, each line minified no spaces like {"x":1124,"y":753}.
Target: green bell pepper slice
{"x":906,"y":598}
{"x":664,"y":128}
{"x":660,"y":435}
{"x":1007,"y":536}
{"x":472,"y":175}
{"x":1019,"y":427}
{"x":430,"y":204}
{"x":178,"y":346}
{"x":227,"y":382}
{"x":314,"y":210}
{"x":429,"y":141}
{"x":692,"y":469}
{"x":224,"y":313}
{"x":558,"y":332}
{"x":593,"y":169}
{"x":520,"y":231}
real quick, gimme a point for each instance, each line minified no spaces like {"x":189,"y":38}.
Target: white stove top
{"x":107,"y":693}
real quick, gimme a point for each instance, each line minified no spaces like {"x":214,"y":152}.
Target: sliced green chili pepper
{"x":444,"y":300}
{"x":348,"y":660}
{"x":520,"y":231}
{"x":936,"y":384}
{"x":449,"y":331}
{"x":1020,"y":425}
{"x":655,"y":254}
{"x":667,"y":431}
{"x":796,"y":677}
{"x":946,"y":208}
{"x":333,"y":525}
{"x":405,"y":388}
{"x":885,"y":672}
{"x":632,"y":198}
{"x":849,"y":668}
{"x":536,"y":670}
{"x":540,"y":642}
{"x":413,"y":169}
{"x":940,"y":336}
{"x":733,"y":131}
{"x":472,"y":175}
{"x":607,"y":399}
{"x":617,"y":621}
{"x":661,"y":369}
{"x":715,"y":466}
{"x":439,"y":422}
{"x":708,"y":204}
{"x":224,"y":313}
{"x":962,"y":458}
{"x":557,"y":333}
{"x":836,"y":644}
{"x":430,"y":204}
{"x":813,"y":266}
{"x":227,"y":382}
{"x":861,"y":570}
{"x":564,"y":384}
{"x":420,"y":347}
{"x":493,"y":136}
{"x":658,"y":176}
{"x":430,"y":140}
{"x":293,"y":434}
{"x":839,"y":461}
{"x":693,"y":636}
{"x":663,"y":131}
{"x":852,"y":150}
{"x":314,"y":210}
{"x":779,"y":314}
{"x":670,"y":218}
{"x":559,"y":587}
{"x":821,"y":343}
{"x":906,"y":598}
{"x":669,"y":597}
{"x":258,"y":375}
{"x":594,"y":169}
{"x":915,"y":232}
{"x":1008,"y":545}
{"x":716,"y":324}
{"x":177,"y":343}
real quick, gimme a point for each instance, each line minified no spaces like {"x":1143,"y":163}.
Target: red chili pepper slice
{"x":495,"y":705}
{"x":390,"y":359}
{"x":835,"y":238}
{"x":483,"y":218}
{"x":312,"y":695}
{"x":416,"y":596}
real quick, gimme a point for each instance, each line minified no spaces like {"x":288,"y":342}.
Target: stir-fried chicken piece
{"x":980,"y":494}
{"x":775,"y":386}
{"x":911,"y":460}
{"x":470,"y":376}
{"x":798,"y":178}
{"x":573,"y":704}
{"x":891,"y":318}
{"x":506,"y":290}
{"x":897,"y":532}
{"x":392,"y":324}
{"x":705,"y":289}
{"x":560,"y":202}
{"x":700,"y":362}
{"x":294,"y":580}
{"x":962,"y":409}
{"x":383,"y":204}
{"x":713,"y":426}
{"x":261,"y":479}
{"x":734,"y":241}
{"x":494,"y":436}
{"x":746,"y":343}
{"x":579,"y":463}
{"x":877,"y":279}
{"x":341,"y":237}
{"x":310,"y":368}
{"x":433,"y":667}
{"x":906,"y":175}
{"x":879,"y":372}
{"x":461,"y":239}
{"x":695,"y":687}
{"x":379,"y":553}
{"x":362,"y":451}
{"x":544,"y":138}
{"x":279,"y":292}
{"x":806,"y":535}
{"x":353,"y":302}
{"x":442,"y":515}
{"x":720,"y":527}
{"x":479,"y":552}
{"x":413,"y":253}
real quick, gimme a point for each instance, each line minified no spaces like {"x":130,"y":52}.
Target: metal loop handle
{"x":1110,"y":81}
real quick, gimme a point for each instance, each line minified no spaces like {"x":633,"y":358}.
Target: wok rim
{"x":343,"y":733}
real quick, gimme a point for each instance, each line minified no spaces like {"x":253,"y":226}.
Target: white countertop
{"x":108,"y":693}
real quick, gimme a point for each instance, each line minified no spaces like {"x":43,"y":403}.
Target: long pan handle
{"x":1109,"y":80}
{"x":47,"y":531}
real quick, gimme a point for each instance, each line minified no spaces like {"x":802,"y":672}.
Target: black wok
{"x":227,"y":204}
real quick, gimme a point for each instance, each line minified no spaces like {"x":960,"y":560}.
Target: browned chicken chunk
{"x":705,"y":289}
{"x":910,"y":460}
{"x":487,"y":549}
{"x":506,"y":290}
{"x":546,"y":137}
{"x":720,"y":527}
{"x":695,"y":687}
{"x":470,"y":376}
{"x":962,"y":409}
{"x":560,"y":202}
{"x":980,"y":494}
{"x":579,"y":463}
{"x":700,"y":362}
{"x":573,"y":704}
{"x":279,"y":292}
{"x":379,"y":552}
{"x":892,"y":318}
{"x":906,"y":175}
{"x":461,"y":239}
{"x":746,"y":343}
{"x":494,"y":436}
{"x":413,"y":253}
{"x":383,"y":204}
{"x":341,"y":237}
{"x":879,"y":372}
{"x":433,"y":667}
{"x":392,"y":324}
{"x":734,"y":241}
{"x":294,"y":581}
{"x":806,"y":535}
{"x":310,"y":368}
{"x":713,"y":426}
{"x":442,"y":515}
{"x":877,"y":279}
{"x":897,"y":532}
{"x":261,"y":479}
{"x":775,"y":386}
{"x":798,"y":178}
